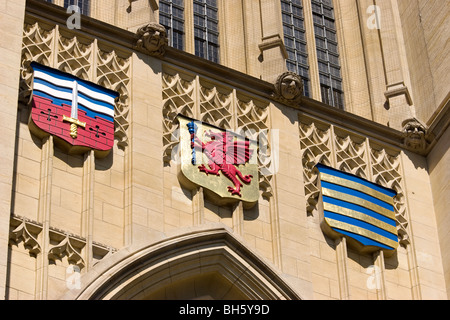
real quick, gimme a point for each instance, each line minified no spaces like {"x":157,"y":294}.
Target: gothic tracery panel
{"x":333,"y":146}
{"x":220,"y":105}
{"x":113,"y":72}
{"x":216,"y":106}
{"x":315,"y":143}
{"x":351,"y":154}
{"x":387,"y":171}
{"x":75,"y":57}
{"x":37,"y":45}
{"x":178,"y":98}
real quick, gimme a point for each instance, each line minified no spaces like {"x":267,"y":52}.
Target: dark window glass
{"x":84,"y":5}
{"x":327,"y":53}
{"x":206,"y":29}
{"x":171,"y":16}
{"x":295,"y":40}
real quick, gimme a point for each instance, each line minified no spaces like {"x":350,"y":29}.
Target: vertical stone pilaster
{"x":198,"y":206}
{"x":238,"y":218}
{"x":341,"y":262}
{"x":11,"y":22}
{"x":87,"y":216}
{"x":44,"y":216}
{"x":273,"y":52}
{"x":397,"y":93}
{"x":378,"y":258}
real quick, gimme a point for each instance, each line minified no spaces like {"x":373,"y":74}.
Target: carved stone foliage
{"x":350,"y":152}
{"x":85,"y":58}
{"x":219,"y":105}
{"x":152,"y":39}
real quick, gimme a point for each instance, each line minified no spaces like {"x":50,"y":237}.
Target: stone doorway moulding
{"x":199,"y":264}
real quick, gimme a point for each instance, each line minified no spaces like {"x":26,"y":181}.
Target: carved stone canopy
{"x":152,"y":39}
{"x":289,"y":88}
{"x":415,"y":134}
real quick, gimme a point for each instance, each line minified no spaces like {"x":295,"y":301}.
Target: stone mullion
{"x":275,"y":226}
{"x":416,"y":291}
{"x":54,"y":62}
{"x":198,"y":205}
{"x":342,"y":268}
{"x":378,"y":260}
{"x":198,"y":197}
{"x":378,"y":256}
{"x":312,"y":51}
{"x":197,"y":99}
{"x":128,"y":175}
{"x":272,"y":198}
{"x":44,"y":216}
{"x":238,"y":218}
{"x":341,"y":243}
{"x":45,"y":193}
{"x":237,"y":209}
{"x":87,"y":213}
{"x":87,"y":216}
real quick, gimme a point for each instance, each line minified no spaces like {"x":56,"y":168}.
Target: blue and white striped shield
{"x":78,"y":112}
{"x":360,"y":210}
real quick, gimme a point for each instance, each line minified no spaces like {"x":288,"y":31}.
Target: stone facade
{"x":124,"y":227}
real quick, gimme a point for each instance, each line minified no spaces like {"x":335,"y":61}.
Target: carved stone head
{"x":415,"y":134}
{"x":289,"y":88}
{"x":152,"y":39}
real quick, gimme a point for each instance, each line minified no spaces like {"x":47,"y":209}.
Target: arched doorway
{"x":201,"y":264}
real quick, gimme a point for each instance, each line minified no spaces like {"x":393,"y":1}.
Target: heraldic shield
{"x":357,"y":209}
{"x":224,"y":163}
{"x":78,"y":113}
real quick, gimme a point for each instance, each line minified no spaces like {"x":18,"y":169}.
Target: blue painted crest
{"x":358,"y":209}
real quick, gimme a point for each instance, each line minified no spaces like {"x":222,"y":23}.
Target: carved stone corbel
{"x":152,"y":39}
{"x":26,"y":231}
{"x":67,"y":245}
{"x":415,"y":135}
{"x":288,"y":88}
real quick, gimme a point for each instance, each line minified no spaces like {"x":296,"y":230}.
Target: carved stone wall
{"x":58,"y":225}
{"x":222,"y":105}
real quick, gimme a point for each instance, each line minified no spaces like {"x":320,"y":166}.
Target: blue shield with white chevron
{"x":78,"y":113}
{"x":357,"y":209}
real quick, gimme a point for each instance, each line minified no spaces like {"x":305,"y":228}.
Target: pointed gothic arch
{"x":200,"y":264}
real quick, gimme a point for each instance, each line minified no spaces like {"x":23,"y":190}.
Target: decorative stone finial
{"x":152,"y":39}
{"x":288,"y":88}
{"x":415,"y":134}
